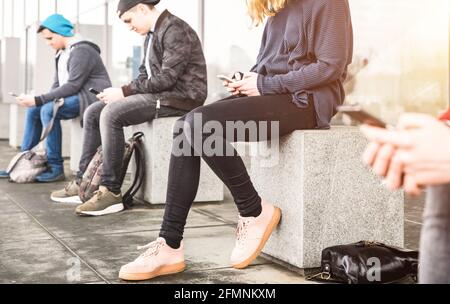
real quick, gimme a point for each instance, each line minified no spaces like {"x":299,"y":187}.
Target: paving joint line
{"x":216,"y":217}
{"x":151,"y":230}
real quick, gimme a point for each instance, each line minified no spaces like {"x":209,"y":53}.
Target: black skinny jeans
{"x":184,"y":170}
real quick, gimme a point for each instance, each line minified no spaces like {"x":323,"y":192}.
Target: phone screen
{"x":93,"y":91}
{"x":358,"y":114}
{"x":225,"y":78}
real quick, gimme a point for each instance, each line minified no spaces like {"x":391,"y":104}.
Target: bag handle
{"x":140,"y":170}
{"x":137,"y":136}
{"x":57,"y":103}
{"x":322,"y":276}
{"x":137,"y":182}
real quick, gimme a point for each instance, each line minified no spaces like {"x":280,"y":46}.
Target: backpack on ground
{"x":91,"y":180}
{"x":27,"y":165}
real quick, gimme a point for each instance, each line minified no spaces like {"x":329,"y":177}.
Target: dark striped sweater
{"x":306,"y":49}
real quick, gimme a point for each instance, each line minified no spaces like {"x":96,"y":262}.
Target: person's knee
{"x":47,"y":112}
{"x":178,"y":127}
{"x":110,"y":116}
{"x":189,"y":125}
{"x":92,"y":113}
{"x":34,"y":111}
{"x":193,"y":124}
{"x":195,"y":119}
{"x":73,"y":98}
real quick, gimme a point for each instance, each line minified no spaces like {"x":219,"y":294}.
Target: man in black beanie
{"x":171,"y":82}
{"x":126,"y":5}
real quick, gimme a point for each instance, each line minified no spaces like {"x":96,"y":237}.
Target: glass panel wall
{"x":188,"y":10}
{"x":2,"y":18}
{"x":401,"y":60}
{"x":231,"y":42}
{"x":8,"y":17}
{"x":68,"y":8}
{"x":92,"y":12}
{"x":126,"y":49}
{"x":46,"y":8}
{"x":32,"y":11}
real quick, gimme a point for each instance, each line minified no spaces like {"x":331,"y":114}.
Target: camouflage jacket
{"x":178,"y":66}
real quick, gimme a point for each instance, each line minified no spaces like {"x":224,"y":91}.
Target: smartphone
{"x":94,"y":91}
{"x":357,"y":113}
{"x":13,"y":94}
{"x":225,"y":78}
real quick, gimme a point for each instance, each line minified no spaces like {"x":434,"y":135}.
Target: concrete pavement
{"x":45,"y":242}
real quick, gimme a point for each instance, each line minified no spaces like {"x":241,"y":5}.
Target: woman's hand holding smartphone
{"x":225,"y":79}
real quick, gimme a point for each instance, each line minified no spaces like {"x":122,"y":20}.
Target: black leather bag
{"x":367,"y":263}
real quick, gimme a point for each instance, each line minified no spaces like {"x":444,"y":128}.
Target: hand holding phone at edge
{"x":110,"y":95}
{"x":419,"y":149}
{"x":26,"y":100}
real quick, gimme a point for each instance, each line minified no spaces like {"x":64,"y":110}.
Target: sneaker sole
{"x":67,"y":200}
{"x":58,"y":179}
{"x":111,"y":209}
{"x":164,"y":270}
{"x":272,"y":225}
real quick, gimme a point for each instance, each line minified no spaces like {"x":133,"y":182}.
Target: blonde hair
{"x":260,"y":9}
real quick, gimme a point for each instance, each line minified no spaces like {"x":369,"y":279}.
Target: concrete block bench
{"x":327,"y":196}
{"x":4,"y":121}
{"x":76,"y":143}
{"x":16,"y":125}
{"x":158,"y":145}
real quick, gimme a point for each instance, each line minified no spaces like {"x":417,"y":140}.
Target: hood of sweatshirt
{"x":77,"y":41}
{"x":86,"y":43}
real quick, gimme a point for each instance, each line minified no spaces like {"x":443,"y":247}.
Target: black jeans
{"x":184,"y":170}
{"x":103,"y":126}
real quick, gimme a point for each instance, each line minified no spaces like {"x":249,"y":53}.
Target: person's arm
{"x":142,"y":69}
{"x":332,"y":28}
{"x":176,"y":56}
{"x":55,"y":82}
{"x":80,"y":67}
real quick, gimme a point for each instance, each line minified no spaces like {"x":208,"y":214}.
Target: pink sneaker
{"x":252,"y":234}
{"x":159,"y":259}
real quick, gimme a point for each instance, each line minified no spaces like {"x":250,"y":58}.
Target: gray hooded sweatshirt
{"x":86,"y":70}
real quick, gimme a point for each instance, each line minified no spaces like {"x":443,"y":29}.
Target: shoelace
{"x":152,"y":248}
{"x":68,"y":186}
{"x":98,"y":194}
{"x":241,"y":231}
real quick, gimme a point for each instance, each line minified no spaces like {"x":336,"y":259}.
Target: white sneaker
{"x":159,"y":259}
{"x":252,"y":234}
{"x":68,"y":195}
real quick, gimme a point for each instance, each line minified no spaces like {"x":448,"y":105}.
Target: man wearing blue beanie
{"x":57,"y":24}
{"x":78,"y":68}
